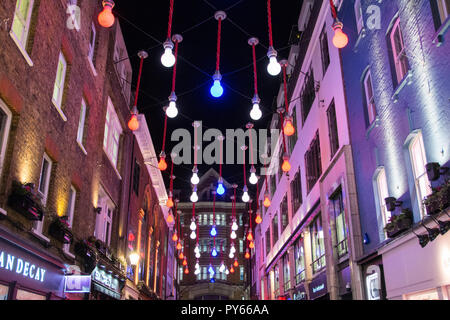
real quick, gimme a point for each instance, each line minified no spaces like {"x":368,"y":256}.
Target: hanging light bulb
{"x":175,"y":236}
{"x":236,"y":263}
{"x":198,"y":255}
{"x":211,"y":270}
{"x":222,"y":267}
{"x":196,"y":250}
{"x":169,"y":204}
{"x":213,"y":231}
{"x":220,"y":188}
{"x":251,"y":245}
{"x":193,"y":225}
{"x":258,"y":218}
{"x":172,"y":110}
{"x":250,"y":236}
{"x":217,"y":89}
{"x":197,"y":271}
{"x":162,"y":165}
{"x":133,"y":124}
{"x":233,"y":249}
{"x":247,"y":254}
{"x":186,"y":271}
{"x":185,"y":262}
{"x":194,"y":196}
{"x":267,"y":201}
{"x":214,"y":252}
{"x":340,"y":39}
{"x":256,"y":113}
{"x":106,"y":18}
{"x":234,"y":227}
{"x":286,"y":166}
{"x":197,"y":265}
{"x":179,"y":245}
{"x":253,"y":178}
{"x":288,"y":129}
{"x":193,"y":235}
{"x":168,"y":59}
{"x":181,"y":256}
{"x":233,"y":235}
{"x":274,"y":67}
{"x":231,"y":255}
{"x":227,"y":272}
{"x":195,"y":179}
{"x":245,"y":196}
{"x":231,"y":269}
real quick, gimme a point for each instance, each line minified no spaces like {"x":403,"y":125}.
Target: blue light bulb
{"x":213,"y":231}
{"x":213,"y":280}
{"x":214,"y":252}
{"x":220,"y":189}
{"x":211,"y":270}
{"x":216,"y":89}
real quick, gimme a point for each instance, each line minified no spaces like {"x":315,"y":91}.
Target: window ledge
{"x":21,"y":49}
{"x":438,"y":38}
{"x":61,"y":113}
{"x":362,"y":35}
{"x":39,"y":235}
{"x":82,"y":147}
{"x":112,"y":165}
{"x":92,"y":67}
{"x":375,"y":124}
{"x":407,"y":80}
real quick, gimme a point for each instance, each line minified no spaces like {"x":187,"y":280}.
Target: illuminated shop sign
{"x":318,"y":286}
{"x":373,"y":282}
{"x":77,"y":284}
{"x":21,"y":267}
{"x":106,"y":279}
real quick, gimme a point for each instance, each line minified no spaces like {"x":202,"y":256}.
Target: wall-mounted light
{"x":432,"y":233}
{"x":366,"y":238}
{"x":423,"y":239}
{"x":134,"y":258}
{"x":444,"y":226}
{"x":392,"y":203}
{"x":434,"y":171}
{"x":98,"y":210}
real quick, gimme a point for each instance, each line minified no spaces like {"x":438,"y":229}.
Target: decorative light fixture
{"x":231,"y":269}
{"x":185,"y":262}
{"x":286,"y":166}
{"x":134,"y":258}
{"x":247,"y":254}
{"x":186,"y":270}
{"x":288,"y":127}
{"x":170,"y":218}
{"x":194,"y":196}
{"x":106,"y":17}
{"x":267,"y":201}
{"x":258,"y":218}
{"x":213,"y":231}
{"x":222,"y":267}
{"x":214,"y":252}
{"x":133,"y":123}
{"x":172,"y":110}
{"x":179,"y":246}
{"x":181,"y":255}
{"x":175,"y":236}
{"x":245,"y":196}
{"x":220,"y":188}
{"x":251,"y":245}
{"x":250,"y":235}
{"x":236,"y":263}
{"x":253,"y":178}
{"x":340,"y":39}
{"x":162,"y":164}
{"x":231,"y":255}
{"x":211,"y":270}
{"x":168,"y":59}
{"x":274,"y":67}
{"x":217,"y":89}
{"x":255,"y":113}
{"x":195,"y":179}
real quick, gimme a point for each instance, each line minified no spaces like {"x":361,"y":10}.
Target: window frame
{"x":300,"y":274}
{"x":82,"y":125}
{"x":318,"y":262}
{"x":337,"y":202}
{"x":4,"y":133}
{"x":23,"y":40}
{"x":360,"y":19}
{"x":71,"y":212}
{"x":333,"y":130}
{"x":38,"y":225}
{"x":398,"y":56}
{"x":382,"y":194}
{"x":324,"y":50}
{"x":92,"y":42}
{"x":112,"y":125}
{"x":370,"y":102}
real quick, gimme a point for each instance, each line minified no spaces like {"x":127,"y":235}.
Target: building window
{"x":286,"y":272}
{"x":441,"y":11}
{"x":300,"y":266}
{"x":241,"y":245}
{"x":296,"y":188}
{"x":398,"y":53}
{"x":241,"y":273}
{"x":113,"y":130}
{"x":324,"y":50}
{"x":313,"y":163}
{"x":136,"y":177}
{"x":268,"y":246}
{"x":21,"y":23}
{"x":370,"y":99}
{"x":318,"y":246}
{"x":4,"y":291}
{"x":284,"y":213}
{"x":359,"y":16}
{"x":275,"y":229}
{"x":308,"y":95}
{"x":27,"y":295}
{"x":44,"y":183}
{"x":70,"y":211}
{"x":418,"y":161}
{"x":383,"y":193}
{"x":92,"y":40}
{"x":293,"y":139}
{"x":337,"y":204}
{"x":204,"y":273}
{"x":180,"y":273}
{"x":276,"y":282}
{"x":103,"y":226}
{"x":58,"y":89}
{"x":82,"y":124}
{"x":273,"y":184}
{"x":333,"y":129}
{"x":5,"y":125}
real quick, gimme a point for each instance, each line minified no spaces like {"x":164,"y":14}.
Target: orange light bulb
{"x":169,"y":204}
{"x":175,"y":237}
{"x":340,"y":39}
{"x":133,"y":124}
{"x":162,"y":165}
{"x":247,"y":255}
{"x":232,"y":270}
{"x":170,"y":218}
{"x":258,"y":219}
{"x":184,"y":262}
{"x":250,"y":236}
{"x":236,"y":263}
{"x":286,"y":167}
{"x":289,"y":129}
{"x":181,"y":256}
{"x":186,"y":271}
{"x":267,"y":202}
{"x":106,"y":17}
{"x":251,"y":245}
{"x":179,"y":246}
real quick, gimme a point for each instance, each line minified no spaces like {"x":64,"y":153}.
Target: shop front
{"x":106,"y":284}
{"x":373,"y":277}
{"x":413,"y":272}
{"x":27,"y":273}
{"x":318,"y":289}
{"x":300,"y":293}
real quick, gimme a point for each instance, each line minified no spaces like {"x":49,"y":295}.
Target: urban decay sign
{"x":20,"y":266}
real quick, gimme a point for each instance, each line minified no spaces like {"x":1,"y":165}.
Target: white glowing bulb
{"x":194,"y":196}
{"x":234,"y":227}
{"x":168,"y":59}
{"x":227,"y":272}
{"x":233,"y":235}
{"x":195,"y":179}
{"x":222,"y":267}
{"x":253,"y":178}
{"x":231,"y":255}
{"x":172,"y":110}
{"x":193,"y":235}
{"x":274,"y":68}
{"x":245,"y":197}
{"x":193,"y":226}
{"x":197,"y":265}
{"x":232,"y":249}
{"x":196,"y":250}
{"x":256,"y":113}
{"x":198,"y":255}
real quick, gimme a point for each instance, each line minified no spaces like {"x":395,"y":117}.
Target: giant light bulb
{"x":340,"y":39}
{"x":213,"y":231}
{"x":193,"y":235}
{"x":133,"y":124}
{"x":179,"y":245}
{"x":250,"y":236}
{"x":231,"y":255}
{"x":286,"y":166}
{"x":194,"y":197}
{"x":197,"y":265}
{"x":233,"y":235}
{"x":222,"y":267}
{"x":214,"y":252}
{"x":220,"y":189}
{"x":168,"y":59}
{"x":258,"y":218}
{"x":172,"y":110}
{"x":193,"y":225}
{"x":198,"y":255}
{"x":211,"y":270}
{"x":274,"y":68}
{"x":162,"y":164}
{"x":234,"y":227}
{"x":195,"y":179}
{"x":106,"y":18}
{"x":251,"y":245}
{"x":256,"y":113}
{"x":288,"y":129}
{"x":196,"y":250}
{"x":253,"y":178}
{"x":197,"y":271}
{"x":217,"y":89}
{"x":245,"y":196}
{"x":267,"y":201}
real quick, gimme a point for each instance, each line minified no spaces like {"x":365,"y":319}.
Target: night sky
{"x":144,"y":25}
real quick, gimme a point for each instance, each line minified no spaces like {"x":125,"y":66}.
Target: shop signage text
{"x":105,"y":279}
{"x":318,"y":288}
{"x":22,"y":267}
{"x":78,"y":284}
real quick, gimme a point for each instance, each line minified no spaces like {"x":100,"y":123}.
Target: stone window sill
{"x":112,"y":165}
{"x":82,"y":147}
{"x":39,"y":235}
{"x":375,"y":124}
{"x":61,"y":113}
{"x":362,"y":35}
{"x":92,"y":67}
{"x":21,"y":49}
{"x":438,"y":38}
{"x":407,"y":80}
